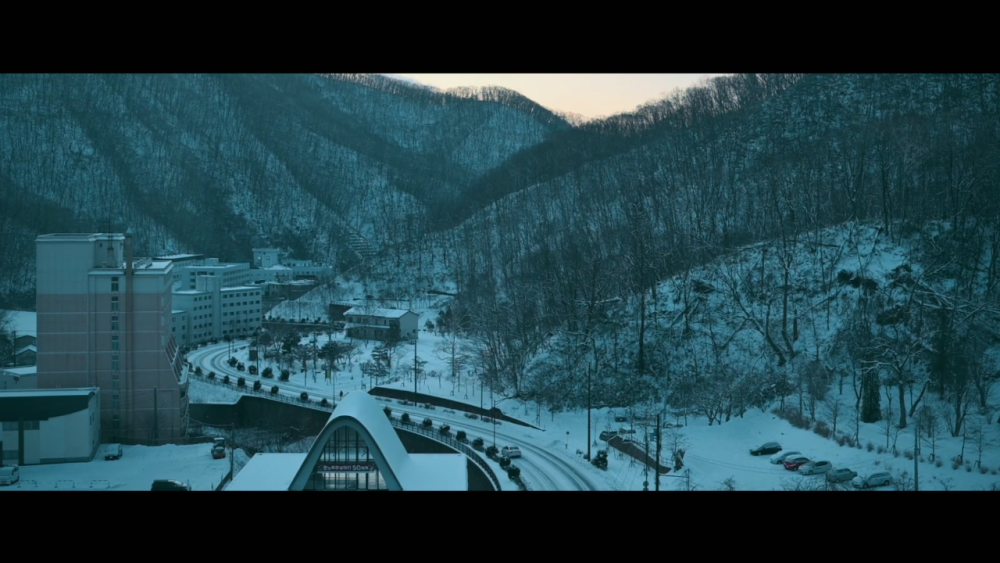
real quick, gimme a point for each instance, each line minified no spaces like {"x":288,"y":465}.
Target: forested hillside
{"x":217,"y":163}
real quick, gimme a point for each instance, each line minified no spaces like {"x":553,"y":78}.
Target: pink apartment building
{"x":104,"y":321}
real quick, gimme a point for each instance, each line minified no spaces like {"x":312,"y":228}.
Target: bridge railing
{"x":452,"y":443}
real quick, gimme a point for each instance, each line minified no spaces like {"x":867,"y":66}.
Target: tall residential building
{"x":213,"y":311}
{"x":104,"y":321}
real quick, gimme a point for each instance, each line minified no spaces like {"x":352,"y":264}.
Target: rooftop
{"x":189,"y":292}
{"x":180,"y":257}
{"x":384,"y":313}
{"x":80,"y":237}
{"x":435,"y":472}
{"x":21,"y":371}
{"x":241,"y":288}
{"x":46,"y":393}
{"x":23,"y":349}
{"x":267,"y":472}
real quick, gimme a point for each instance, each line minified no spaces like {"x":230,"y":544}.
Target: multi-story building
{"x":270,"y":266}
{"x":213,"y":311}
{"x":104,"y":321}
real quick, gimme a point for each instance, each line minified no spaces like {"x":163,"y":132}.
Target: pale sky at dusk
{"x":590,"y":95}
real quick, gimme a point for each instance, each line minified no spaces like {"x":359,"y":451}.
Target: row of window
{"x":12,"y":427}
{"x":244,"y":303}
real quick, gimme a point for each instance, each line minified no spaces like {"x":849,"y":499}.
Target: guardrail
{"x":452,"y":443}
{"x":265,"y":392}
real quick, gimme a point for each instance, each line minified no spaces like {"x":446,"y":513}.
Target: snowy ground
{"x":135,"y":471}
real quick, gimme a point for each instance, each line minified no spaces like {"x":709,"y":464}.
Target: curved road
{"x":542,"y":469}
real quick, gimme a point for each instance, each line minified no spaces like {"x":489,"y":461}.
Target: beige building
{"x":104,"y":321}
{"x":374,"y":324}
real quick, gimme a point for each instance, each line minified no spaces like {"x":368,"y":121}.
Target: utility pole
{"x":232,"y":450}
{"x":687,"y":476}
{"x":415,"y":368}
{"x":156,"y":419}
{"x":659,"y":442}
{"x":645,"y":480}
{"x":588,"y":413}
{"x":916,"y":456}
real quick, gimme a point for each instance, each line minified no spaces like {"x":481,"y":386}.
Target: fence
{"x":225,"y":480}
{"x":446,"y":403}
{"x":452,"y":443}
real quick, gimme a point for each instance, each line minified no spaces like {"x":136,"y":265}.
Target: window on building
{"x":114,"y":364}
{"x":114,"y":342}
{"x":114,"y":284}
{"x":31,"y":425}
{"x":114,"y":302}
{"x":115,"y":421}
{"x":115,"y":404}
{"x":10,"y":427}
{"x":114,"y":322}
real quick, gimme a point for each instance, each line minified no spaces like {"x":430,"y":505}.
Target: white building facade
{"x":212,"y":311}
{"x":50,"y":425}
{"x":270,"y":266}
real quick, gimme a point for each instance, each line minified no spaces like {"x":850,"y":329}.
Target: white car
{"x":879,"y":479}
{"x":510,"y":452}
{"x":780,"y":457}
{"x":9,"y":474}
{"x":815,"y":467}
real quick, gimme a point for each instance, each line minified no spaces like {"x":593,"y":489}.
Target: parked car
{"x":815,"y":467}
{"x":9,"y":474}
{"x":112,"y":452}
{"x":511,"y":451}
{"x":221,"y":442}
{"x":878,"y":479}
{"x":796,"y":461}
{"x":169,"y":485}
{"x":840,"y":475}
{"x":780,"y":457}
{"x":218,"y":452}
{"x":766,"y":449}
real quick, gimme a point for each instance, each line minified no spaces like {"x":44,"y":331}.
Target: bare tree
{"x":979,"y":435}
{"x":6,"y":338}
{"x":728,"y":484}
{"x":832,"y":409}
{"x":928,"y":425}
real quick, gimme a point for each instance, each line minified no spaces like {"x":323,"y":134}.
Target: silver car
{"x":879,"y":479}
{"x":780,"y":457}
{"x":815,"y":468}
{"x":840,"y":475}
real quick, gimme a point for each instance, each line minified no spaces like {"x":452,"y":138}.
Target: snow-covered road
{"x":542,"y":468}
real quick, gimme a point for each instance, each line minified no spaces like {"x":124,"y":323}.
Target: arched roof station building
{"x":358,"y":449}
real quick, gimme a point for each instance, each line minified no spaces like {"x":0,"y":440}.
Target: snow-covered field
{"x":135,"y":471}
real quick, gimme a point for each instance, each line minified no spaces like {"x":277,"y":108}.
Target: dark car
{"x":766,"y":449}
{"x":607,"y":435}
{"x":169,"y":485}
